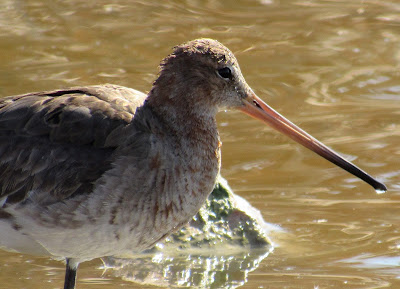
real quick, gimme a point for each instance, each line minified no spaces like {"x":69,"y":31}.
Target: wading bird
{"x":106,"y":170}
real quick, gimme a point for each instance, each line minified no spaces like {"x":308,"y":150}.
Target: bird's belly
{"x":25,"y":234}
{"x":14,"y":240}
{"x":120,"y":231}
{"x":84,"y":243}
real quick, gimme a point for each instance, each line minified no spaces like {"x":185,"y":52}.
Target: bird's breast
{"x":159,"y":192}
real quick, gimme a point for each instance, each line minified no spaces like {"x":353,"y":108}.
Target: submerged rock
{"x":225,"y":241}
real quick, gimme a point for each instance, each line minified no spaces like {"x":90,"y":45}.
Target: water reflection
{"x":375,"y":262}
{"x":203,"y":270}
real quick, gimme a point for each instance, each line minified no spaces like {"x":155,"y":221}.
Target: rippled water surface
{"x":332,"y":67}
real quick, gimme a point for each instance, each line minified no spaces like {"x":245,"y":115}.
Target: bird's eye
{"x":225,"y":72}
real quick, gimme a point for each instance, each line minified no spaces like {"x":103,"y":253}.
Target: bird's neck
{"x":184,"y":116}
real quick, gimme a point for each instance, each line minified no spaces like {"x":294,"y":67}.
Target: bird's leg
{"x":70,"y":273}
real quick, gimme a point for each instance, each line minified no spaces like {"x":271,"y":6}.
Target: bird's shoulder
{"x":79,"y":115}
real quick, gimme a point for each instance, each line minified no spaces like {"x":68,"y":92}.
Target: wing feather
{"x":58,"y":143}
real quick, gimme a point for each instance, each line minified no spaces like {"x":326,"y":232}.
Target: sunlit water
{"x":332,"y":67}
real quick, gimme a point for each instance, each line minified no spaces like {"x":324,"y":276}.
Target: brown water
{"x":332,"y":67}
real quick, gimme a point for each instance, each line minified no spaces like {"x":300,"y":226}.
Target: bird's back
{"x":58,"y":143}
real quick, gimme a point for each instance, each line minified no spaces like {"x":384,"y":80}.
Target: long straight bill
{"x":256,"y":108}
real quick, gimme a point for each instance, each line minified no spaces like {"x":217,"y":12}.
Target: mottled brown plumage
{"x":105,"y":170}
